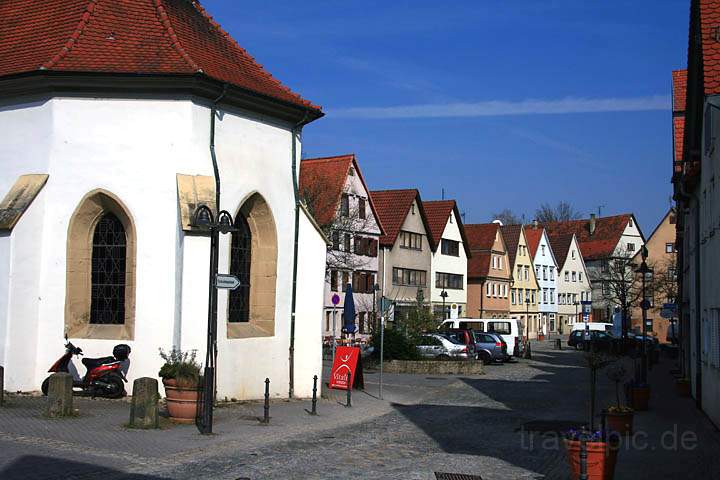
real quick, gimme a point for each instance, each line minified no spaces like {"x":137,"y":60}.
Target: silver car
{"x":436,"y":346}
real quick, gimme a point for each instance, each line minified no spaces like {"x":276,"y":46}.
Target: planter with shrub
{"x":619,"y":418}
{"x":181,"y":377}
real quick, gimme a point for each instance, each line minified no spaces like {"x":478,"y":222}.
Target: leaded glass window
{"x":109,"y":247}
{"x":240,"y":255}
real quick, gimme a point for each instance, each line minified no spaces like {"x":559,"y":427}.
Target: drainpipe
{"x":296,"y":190}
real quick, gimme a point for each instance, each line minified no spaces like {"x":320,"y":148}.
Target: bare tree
{"x":620,"y":283}
{"x":507,"y":217}
{"x":562,"y":212}
{"x":345,"y":223}
{"x":664,"y":281}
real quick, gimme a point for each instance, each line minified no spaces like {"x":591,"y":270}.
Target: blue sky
{"x":501,"y":103}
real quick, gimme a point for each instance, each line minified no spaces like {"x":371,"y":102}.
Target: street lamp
{"x":644,"y":270}
{"x":204,"y":220}
{"x":375,"y":288}
{"x":444,"y":295}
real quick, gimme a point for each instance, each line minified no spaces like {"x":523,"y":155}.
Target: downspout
{"x":296,"y":190}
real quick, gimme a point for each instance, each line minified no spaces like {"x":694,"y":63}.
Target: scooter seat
{"x":91,"y":363}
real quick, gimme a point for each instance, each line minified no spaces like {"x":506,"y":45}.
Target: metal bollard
{"x":266,"y":408}
{"x":2,"y":385}
{"x":349,"y":391}
{"x":583,"y":458}
{"x":314,"y":399}
{"x":558,"y":344}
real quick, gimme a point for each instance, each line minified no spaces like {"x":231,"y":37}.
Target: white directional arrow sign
{"x":227,"y":282}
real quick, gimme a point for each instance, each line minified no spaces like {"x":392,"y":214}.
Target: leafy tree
{"x":562,"y":212}
{"x":507,"y":217}
{"x":419,"y":319}
{"x":397,"y":345}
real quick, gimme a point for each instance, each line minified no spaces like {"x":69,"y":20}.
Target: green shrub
{"x":397,"y":346}
{"x":180,"y":366}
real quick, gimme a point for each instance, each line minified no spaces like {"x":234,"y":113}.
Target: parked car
{"x":463,"y":336}
{"x":490,"y":348}
{"x":438,"y":347}
{"x":592,"y":326}
{"x":507,"y":328}
{"x":603,"y":341}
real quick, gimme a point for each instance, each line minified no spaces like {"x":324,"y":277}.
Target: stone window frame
{"x":263,"y":271}
{"x":78,"y":267}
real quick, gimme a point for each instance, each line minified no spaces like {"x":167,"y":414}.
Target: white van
{"x":507,"y":328}
{"x":593,"y":326}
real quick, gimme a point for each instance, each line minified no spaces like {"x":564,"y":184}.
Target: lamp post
{"x":204,"y":220}
{"x":645,"y":306}
{"x":527,"y":353}
{"x":375,"y":288}
{"x":444,"y":295}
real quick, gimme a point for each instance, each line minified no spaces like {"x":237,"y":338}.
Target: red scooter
{"x":105,"y":376}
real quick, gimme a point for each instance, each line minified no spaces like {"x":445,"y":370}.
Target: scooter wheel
{"x":116,"y":387}
{"x":45,"y":386}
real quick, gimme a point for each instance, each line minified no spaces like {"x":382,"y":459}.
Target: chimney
{"x":535,"y":224}
{"x":592,"y":223}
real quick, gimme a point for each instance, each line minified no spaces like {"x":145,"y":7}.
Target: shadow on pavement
{"x":35,"y":467}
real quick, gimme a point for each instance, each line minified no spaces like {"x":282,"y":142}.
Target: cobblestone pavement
{"x":424,"y":424}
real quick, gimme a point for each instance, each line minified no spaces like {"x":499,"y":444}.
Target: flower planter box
{"x":601,"y":459}
{"x":620,"y":422}
{"x":182,"y":401}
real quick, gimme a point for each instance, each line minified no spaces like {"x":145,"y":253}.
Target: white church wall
{"x":5,"y":245}
{"x":309,"y":308}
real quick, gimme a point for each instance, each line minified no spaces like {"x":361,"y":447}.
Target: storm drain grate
{"x":547,"y":426}
{"x":456,"y":476}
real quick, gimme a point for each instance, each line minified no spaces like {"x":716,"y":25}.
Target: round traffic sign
{"x":335,"y":299}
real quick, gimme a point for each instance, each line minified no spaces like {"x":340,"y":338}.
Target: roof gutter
{"x":296,"y":129}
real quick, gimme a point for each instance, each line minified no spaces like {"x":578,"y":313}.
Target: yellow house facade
{"x":523,"y":282}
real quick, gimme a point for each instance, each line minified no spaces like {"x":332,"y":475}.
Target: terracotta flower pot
{"x":682,"y":387}
{"x":640,"y":398}
{"x":181,"y":401}
{"x":620,"y":422}
{"x":601,"y":460}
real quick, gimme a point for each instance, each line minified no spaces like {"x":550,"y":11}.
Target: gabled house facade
{"x":449,"y":261}
{"x":144,"y":114}
{"x":336,"y":194}
{"x":406,"y":248}
{"x":523,"y":282}
{"x":573,"y":280}
{"x":488,"y":272}
{"x":602,"y":240}
{"x":696,"y":168}
{"x":546,"y":270}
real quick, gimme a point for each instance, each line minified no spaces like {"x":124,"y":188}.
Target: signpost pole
{"x":335,"y":301}
{"x":382,"y":350}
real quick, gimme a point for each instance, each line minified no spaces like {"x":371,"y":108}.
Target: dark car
{"x":602,"y":341}
{"x":490,"y":348}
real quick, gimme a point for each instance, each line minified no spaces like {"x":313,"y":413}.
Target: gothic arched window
{"x":107,"y":302}
{"x":240,"y":261}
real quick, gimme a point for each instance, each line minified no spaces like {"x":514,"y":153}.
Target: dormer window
{"x":351,"y":172}
{"x":412,"y":208}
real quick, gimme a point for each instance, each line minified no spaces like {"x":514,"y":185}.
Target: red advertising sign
{"x":347,"y":360}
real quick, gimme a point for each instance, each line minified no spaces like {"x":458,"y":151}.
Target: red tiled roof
{"x":128,"y":36}
{"x":679,"y":82}
{"x":481,"y":236}
{"x":560,"y":244}
{"x":709,"y":23}
{"x":532,"y":237}
{"x":438,"y":213}
{"x":479,"y":265}
{"x":392,"y":208}
{"x":602,"y":242}
{"x":678,"y":142}
{"x":511,"y":235}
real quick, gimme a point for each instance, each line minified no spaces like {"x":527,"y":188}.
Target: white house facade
{"x":573,"y":282}
{"x":546,"y":273}
{"x":104,"y":252}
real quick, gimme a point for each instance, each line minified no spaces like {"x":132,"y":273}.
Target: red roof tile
{"x":678,"y":142}
{"x":479,"y":265}
{"x":532,"y":237}
{"x":322,"y":181}
{"x":679,"y":81}
{"x":481,"y":236}
{"x":438,"y":213}
{"x":392,"y":208}
{"x":602,"y":242}
{"x":511,"y":235}
{"x":560,"y":244}
{"x":128,"y":36}
{"x":709,"y":24}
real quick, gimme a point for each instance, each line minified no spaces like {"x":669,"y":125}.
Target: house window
{"x":494,"y":290}
{"x":333,"y":280}
{"x":512,"y":296}
{"x":346,"y":242}
{"x":452,"y":281}
{"x":344,"y":205}
{"x":669,"y":248}
{"x":604,"y":266}
{"x":450,"y":247}
{"x":527,"y":272}
{"x":574,"y":276}
{"x":552,"y":296}
{"x":579,"y":276}
{"x":336,"y":240}
{"x":408,"y":277}
{"x":544,"y":273}
{"x":345,"y":280}
{"x":361,"y":208}
{"x":544,"y":296}
{"x":573,"y":254}
{"x":487,"y":289}
{"x":519,"y":272}
{"x":500,"y":263}
{"x":410,"y":240}
{"x":107,"y":303}
{"x":240,"y":258}
{"x":567,"y":276}
{"x":552,"y":273}
{"x":542,"y":249}
{"x":630,"y":247}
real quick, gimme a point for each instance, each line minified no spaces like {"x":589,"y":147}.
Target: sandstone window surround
{"x":79,"y":283}
{"x":260,"y":321}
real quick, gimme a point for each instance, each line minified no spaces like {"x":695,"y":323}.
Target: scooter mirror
{"x":66,"y":336}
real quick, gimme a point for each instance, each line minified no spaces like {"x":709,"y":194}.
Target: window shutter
{"x":373,"y":248}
